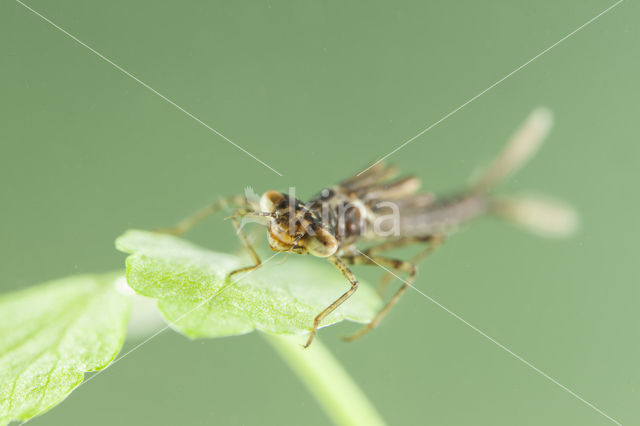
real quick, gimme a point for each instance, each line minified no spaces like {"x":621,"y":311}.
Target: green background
{"x":317,"y":90}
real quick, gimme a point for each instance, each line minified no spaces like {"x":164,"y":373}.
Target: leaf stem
{"x":328,"y":381}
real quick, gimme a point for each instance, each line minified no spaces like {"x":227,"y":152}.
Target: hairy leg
{"x":396,"y":243}
{"x":248,"y":246}
{"x":397,"y":265}
{"x":338,"y":263}
{"x":434,"y":242}
{"x":190,"y":221}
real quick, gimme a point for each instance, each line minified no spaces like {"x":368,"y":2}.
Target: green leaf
{"x":198,"y":299}
{"x":51,"y":334}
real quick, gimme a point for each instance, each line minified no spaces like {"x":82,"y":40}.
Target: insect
{"x":379,"y":210}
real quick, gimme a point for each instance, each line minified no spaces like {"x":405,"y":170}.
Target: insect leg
{"x":248,"y":246}
{"x":339,"y":301}
{"x":395,"y":264}
{"x":434,"y":242}
{"x":190,"y":221}
{"x":395,"y":243}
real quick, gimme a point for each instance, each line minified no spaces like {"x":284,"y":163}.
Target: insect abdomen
{"x":441,"y":217}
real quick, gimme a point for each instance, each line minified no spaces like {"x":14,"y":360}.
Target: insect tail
{"x":537,"y":214}
{"x":521,"y":147}
{"x":540,"y":215}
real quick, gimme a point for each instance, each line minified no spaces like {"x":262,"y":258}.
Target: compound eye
{"x":270,"y":200}
{"x":323,"y":244}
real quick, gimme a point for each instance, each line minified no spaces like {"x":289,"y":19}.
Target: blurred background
{"x":317,"y":90}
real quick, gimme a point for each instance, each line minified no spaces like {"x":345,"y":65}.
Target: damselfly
{"x":375,"y":210}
